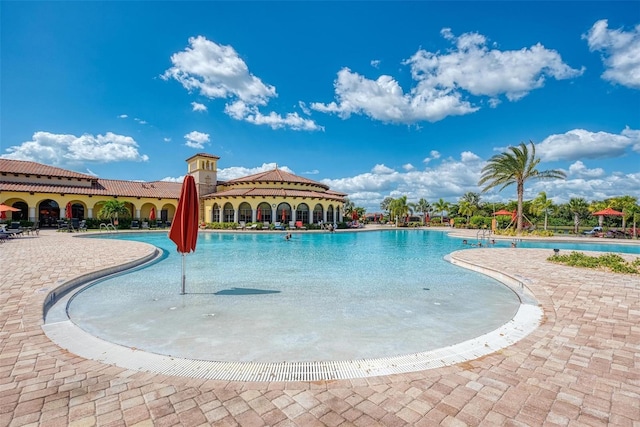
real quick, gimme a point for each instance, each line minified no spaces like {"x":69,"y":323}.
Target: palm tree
{"x":112,"y":209}
{"x":399,"y":208}
{"x":515,"y":167}
{"x":541,"y":205}
{"x":466,"y":208}
{"x":421,"y":206}
{"x":442,"y":206}
{"x":384,"y":205}
{"x":579,"y":207}
{"x":626,"y":205}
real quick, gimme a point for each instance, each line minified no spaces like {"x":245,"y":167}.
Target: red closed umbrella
{"x":284,"y":215}
{"x":184,"y":228}
{"x":152,"y":214}
{"x":259,"y":216}
{"x":68,"y":212}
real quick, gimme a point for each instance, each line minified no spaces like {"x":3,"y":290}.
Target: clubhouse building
{"x":42,"y":192}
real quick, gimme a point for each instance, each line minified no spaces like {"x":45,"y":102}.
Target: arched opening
{"x":317,"y":214}
{"x":215,"y":213}
{"x":263,"y":213}
{"x":228,"y":212}
{"x":302,"y":213}
{"x":22,"y":214}
{"x":283,"y":213}
{"x":77,"y":210}
{"x":330,"y":216}
{"x":48,"y":213}
{"x":244,"y":212}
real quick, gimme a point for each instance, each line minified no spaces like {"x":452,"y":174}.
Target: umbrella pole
{"x":183,"y":276}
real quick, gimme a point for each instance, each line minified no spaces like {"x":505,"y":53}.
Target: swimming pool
{"x":255,"y":297}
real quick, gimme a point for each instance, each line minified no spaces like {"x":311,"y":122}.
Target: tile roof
{"x":102,"y":187}
{"x":276,"y":175}
{"x":275,"y":192}
{"x":32,"y":168}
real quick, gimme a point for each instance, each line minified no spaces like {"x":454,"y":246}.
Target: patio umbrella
{"x":184,"y":228}
{"x":606,"y":212}
{"x":284,"y":215}
{"x":503,"y":212}
{"x":6,"y":208}
{"x":152,"y":214}
{"x":259,"y":215}
{"x":68,"y":211}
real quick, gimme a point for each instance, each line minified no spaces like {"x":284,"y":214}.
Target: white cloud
{"x":433,"y":155}
{"x":444,"y":80}
{"x":408,"y":167}
{"x":469,"y":157}
{"x":620,"y":53}
{"x":581,"y":144}
{"x":313,"y":172}
{"x":238,"y":171}
{"x":375,"y":63}
{"x":65,"y":150}
{"x":196,"y":139}
{"x":217,"y":71}
{"x":579,"y":169}
{"x":142,"y":122}
{"x":196,"y":106}
{"x":122,"y":116}
{"x":382,"y":169}
{"x":166,"y":139}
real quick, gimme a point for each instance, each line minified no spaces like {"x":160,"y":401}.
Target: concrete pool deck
{"x":580,"y":367}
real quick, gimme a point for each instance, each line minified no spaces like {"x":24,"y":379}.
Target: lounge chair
{"x":292,"y":225}
{"x":278,"y":226}
{"x":82,"y":225}
{"x":135,"y":225}
{"x":299,"y":225}
{"x":253,"y":226}
{"x":14,"y":229}
{"x":145,"y":225}
{"x":242,"y":226}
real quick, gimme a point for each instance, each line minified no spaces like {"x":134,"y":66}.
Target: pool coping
{"x":69,"y":336}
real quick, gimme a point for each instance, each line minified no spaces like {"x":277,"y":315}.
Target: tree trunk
{"x":545,"y":220}
{"x":576,"y":222}
{"x":519,"y":213}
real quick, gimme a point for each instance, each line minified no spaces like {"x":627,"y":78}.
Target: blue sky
{"x":375,"y":99}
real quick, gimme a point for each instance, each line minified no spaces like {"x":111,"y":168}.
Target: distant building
{"x":42,"y":192}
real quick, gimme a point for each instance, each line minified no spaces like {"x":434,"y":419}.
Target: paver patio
{"x":581,"y":367}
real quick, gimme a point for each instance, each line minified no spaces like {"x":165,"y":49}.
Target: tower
{"x":204,"y":169}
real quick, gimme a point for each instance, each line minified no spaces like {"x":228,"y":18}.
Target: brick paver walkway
{"x":581,"y":367}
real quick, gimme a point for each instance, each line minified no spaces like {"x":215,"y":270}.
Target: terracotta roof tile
{"x":102,"y":187}
{"x":275,"y":192}
{"x":33,"y":168}
{"x":276,"y":175}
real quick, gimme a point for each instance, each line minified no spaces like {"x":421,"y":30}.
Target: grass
{"x":609,"y":262}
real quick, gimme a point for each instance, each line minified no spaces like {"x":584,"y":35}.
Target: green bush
{"x":612,"y":262}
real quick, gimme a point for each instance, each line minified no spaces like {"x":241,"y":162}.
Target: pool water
{"x":257,"y":297}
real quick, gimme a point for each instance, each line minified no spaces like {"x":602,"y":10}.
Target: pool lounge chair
{"x":278,"y":226}
{"x":242,"y":226}
{"x":135,"y":225}
{"x":299,"y":226}
{"x":145,"y":225}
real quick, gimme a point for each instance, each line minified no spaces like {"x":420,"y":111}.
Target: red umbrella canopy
{"x":184,"y":228}
{"x":3,"y":215}
{"x":503,"y":212}
{"x":68,"y":211}
{"x":259,"y":214}
{"x":5,"y":208}
{"x":609,"y":211}
{"x":152,"y":214}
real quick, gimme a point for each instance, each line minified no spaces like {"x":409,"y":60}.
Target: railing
{"x":486,"y":233}
{"x":109,"y":228}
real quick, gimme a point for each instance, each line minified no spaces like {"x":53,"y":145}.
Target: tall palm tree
{"x":384,"y":205}
{"x":441,"y":206}
{"x":541,"y":205}
{"x":399,"y":208}
{"x":421,"y":206}
{"x":516,"y":166}
{"x":626,"y":205}
{"x":579,"y":208}
{"x":467,"y":209}
{"x":112,"y":209}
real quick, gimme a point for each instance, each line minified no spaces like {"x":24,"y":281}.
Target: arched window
{"x":48,"y":213}
{"x":302,"y":213}
{"x":283,"y":213}
{"x":330,"y":217}
{"x":228,"y":212}
{"x":215,"y":213}
{"x":263,"y":212}
{"x":244,"y":212}
{"x":317,"y":213}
